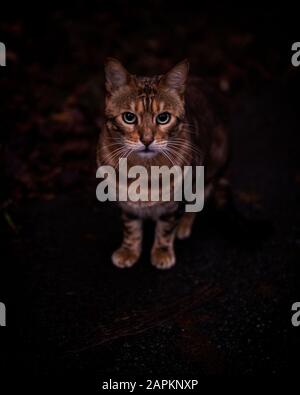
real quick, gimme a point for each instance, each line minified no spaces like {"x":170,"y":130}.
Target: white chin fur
{"x":146,"y":154}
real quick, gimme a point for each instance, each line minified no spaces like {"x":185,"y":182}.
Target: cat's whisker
{"x":168,"y":157}
{"x":111,"y":154}
{"x":175,"y":153}
{"x":185,"y":148}
{"x":111,"y":145}
{"x":129,"y":153}
{"x":116,"y":153}
{"x":133,"y":145}
{"x":126,"y":153}
{"x":179,"y":142}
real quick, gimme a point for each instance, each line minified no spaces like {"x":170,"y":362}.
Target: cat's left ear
{"x":176,"y":78}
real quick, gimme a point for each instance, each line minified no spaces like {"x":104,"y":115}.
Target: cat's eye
{"x":129,"y":117}
{"x":163,"y":118}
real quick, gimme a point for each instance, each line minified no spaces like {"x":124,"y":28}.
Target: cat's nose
{"x":146,"y":141}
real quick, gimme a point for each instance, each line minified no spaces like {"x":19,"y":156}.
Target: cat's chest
{"x":149,"y":209}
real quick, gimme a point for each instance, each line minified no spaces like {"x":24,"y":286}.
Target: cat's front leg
{"x":130,"y":250}
{"x":162,"y":254}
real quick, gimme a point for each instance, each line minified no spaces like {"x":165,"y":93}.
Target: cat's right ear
{"x":116,"y":75}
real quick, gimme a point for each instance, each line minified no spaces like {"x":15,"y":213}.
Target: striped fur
{"x":194,"y":136}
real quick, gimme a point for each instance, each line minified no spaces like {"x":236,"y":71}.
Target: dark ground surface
{"x":225,"y":307}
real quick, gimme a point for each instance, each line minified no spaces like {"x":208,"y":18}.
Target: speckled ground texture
{"x":225,"y":308}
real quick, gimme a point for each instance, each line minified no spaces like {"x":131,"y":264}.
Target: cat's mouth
{"x":147,"y":152}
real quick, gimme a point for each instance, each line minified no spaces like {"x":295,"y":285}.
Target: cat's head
{"x":144,"y":113}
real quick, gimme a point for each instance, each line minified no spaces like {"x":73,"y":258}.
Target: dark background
{"x":225,"y":308}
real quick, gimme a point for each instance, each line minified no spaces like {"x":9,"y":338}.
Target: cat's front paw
{"x":163,"y":257}
{"x":124,"y":257}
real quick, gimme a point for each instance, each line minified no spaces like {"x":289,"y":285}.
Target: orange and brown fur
{"x":160,"y":120}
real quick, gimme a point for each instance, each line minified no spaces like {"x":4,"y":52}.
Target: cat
{"x":161,"y":120}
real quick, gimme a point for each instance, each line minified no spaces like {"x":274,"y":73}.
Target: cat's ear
{"x":115,"y":74}
{"x":176,"y":78}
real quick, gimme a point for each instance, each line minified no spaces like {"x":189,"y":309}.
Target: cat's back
{"x":207,"y":115}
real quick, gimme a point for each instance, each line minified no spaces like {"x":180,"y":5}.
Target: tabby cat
{"x":162,"y":120}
